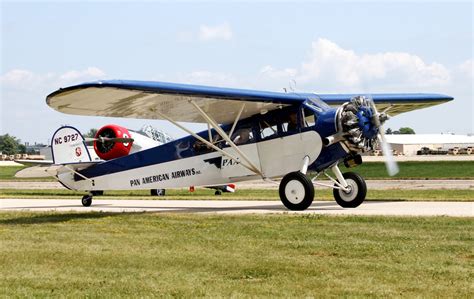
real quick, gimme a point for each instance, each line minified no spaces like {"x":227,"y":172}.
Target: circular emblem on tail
{"x":78,"y":151}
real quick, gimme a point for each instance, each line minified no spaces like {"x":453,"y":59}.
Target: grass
{"x":7,"y":173}
{"x":184,"y":255}
{"x":372,"y":170}
{"x":420,"y":170}
{"x":246,"y":194}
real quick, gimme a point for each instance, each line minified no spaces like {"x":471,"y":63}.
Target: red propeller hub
{"x":107,"y":150}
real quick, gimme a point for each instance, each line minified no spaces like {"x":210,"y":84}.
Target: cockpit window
{"x":309,"y":119}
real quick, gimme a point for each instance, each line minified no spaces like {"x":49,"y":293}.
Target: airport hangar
{"x":410,"y":144}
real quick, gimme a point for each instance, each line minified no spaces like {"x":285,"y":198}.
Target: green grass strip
{"x":116,"y":255}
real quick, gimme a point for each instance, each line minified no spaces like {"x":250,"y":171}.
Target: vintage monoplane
{"x":251,"y":135}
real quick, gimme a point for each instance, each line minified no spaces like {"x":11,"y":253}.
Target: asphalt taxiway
{"x":383,"y":208}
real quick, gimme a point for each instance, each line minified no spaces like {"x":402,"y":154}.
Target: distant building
{"x":409,"y":144}
{"x":34,"y":148}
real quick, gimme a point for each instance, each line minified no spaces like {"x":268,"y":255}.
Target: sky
{"x":322,"y":47}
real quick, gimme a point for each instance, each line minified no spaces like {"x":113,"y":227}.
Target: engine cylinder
{"x":108,"y":150}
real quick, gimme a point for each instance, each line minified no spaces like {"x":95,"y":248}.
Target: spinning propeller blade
{"x":105,"y":139}
{"x":390,"y":163}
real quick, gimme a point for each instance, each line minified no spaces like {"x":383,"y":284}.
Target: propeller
{"x":377,"y":119}
{"x":102,"y":139}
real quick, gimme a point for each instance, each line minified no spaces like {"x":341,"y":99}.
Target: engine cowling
{"x":108,"y":150}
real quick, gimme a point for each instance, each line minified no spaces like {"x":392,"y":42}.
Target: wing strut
{"x":226,"y":138}
{"x":210,"y":144}
{"x":237,"y":119}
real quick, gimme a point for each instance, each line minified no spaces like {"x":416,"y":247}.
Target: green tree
{"x":388,"y":131}
{"x":91,"y":133}
{"x":22,"y":149}
{"x":10,"y":145}
{"x":406,"y":130}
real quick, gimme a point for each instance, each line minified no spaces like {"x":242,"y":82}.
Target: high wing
{"x":152,"y":100}
{"x":398,"y":102}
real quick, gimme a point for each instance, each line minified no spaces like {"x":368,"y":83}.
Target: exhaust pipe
{"x":327,"y":141}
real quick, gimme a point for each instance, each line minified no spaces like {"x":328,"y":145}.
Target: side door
{"x":284,"y":151}
{"x":245,"y":139}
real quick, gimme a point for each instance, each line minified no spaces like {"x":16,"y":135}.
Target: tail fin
{"x":68,"y":146}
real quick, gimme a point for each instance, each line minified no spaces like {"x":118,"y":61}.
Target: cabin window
{"x":291,"y":122}
{"x":242,"y":136}
{"x":201,"y":147}
{"x":267,"y":129}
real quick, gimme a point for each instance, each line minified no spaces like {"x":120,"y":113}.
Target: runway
{"x":383,"y":208}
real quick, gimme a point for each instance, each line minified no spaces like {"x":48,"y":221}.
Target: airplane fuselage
{"x":276,"y":147}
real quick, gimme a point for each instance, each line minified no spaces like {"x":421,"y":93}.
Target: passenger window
{"x":242,"y":136}
{"x":267,"y":130}
{"x":291,"y":122}
{"x":201,"y":147}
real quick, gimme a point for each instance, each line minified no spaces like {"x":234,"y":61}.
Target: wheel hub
{"x":351,"y":193}
{"x":295,"y":192}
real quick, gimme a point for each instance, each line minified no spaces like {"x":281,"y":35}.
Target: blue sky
{"x":324,"y":46}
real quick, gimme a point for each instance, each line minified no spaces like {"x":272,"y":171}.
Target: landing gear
{"x":355,"y":193}
{"x":157,"y":192}
{"x":349,"y":189}
{"x":296,"y":191}
{"x":87,"y":200}
{"x":218,"y":192}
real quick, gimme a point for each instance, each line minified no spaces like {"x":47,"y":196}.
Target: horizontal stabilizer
{"x":51,"y":170}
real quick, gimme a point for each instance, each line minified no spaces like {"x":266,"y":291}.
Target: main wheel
{"x":296,"y":191}
{"x":356,"y":194}
{"x":86,"y":200}
{"x":218,"y":192}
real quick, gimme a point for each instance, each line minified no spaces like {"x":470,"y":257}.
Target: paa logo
{"x":229,"y":162}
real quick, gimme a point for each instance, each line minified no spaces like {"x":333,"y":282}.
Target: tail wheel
{"x":296,"y":191}
{"x":356,"y":194}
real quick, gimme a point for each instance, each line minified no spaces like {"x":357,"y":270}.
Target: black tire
{"x":86,"y":200}
{"x":97,"y":193}
{"x":296,"y":191}
{"x":218,"y":192}
{"x":356,"y":196}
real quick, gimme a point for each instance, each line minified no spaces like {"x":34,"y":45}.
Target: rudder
{"x":68,"y":146}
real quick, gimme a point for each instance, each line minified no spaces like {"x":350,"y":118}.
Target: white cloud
{"x":218,"y":32}
{"x":277,"y":74}
{"x":467,"y":67}
{"x":209,"y":78}
{"x":329,"y":66}
{"x":90,"y":72}
{"x":26,"y":80}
